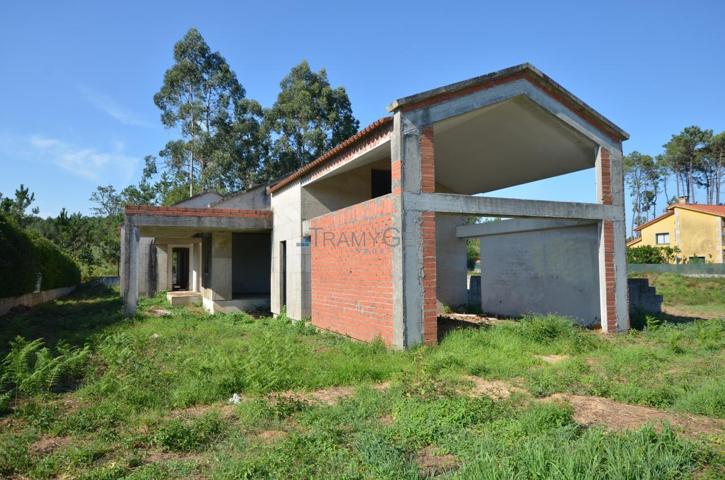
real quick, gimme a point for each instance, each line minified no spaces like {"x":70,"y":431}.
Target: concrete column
{"x":613,"y":295}
{"x":414,"y":259}
{"x":130,"y":267}
{"x":221,"y":266}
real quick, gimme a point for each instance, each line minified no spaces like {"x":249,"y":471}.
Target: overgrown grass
{"x":681,"y":290}
{"x":152,"y":402}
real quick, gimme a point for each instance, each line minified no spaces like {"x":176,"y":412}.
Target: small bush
{"x":546,"y":329}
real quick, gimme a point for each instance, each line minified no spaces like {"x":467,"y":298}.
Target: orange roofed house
{"x":696,"y":230}
{"x":369,"y":240}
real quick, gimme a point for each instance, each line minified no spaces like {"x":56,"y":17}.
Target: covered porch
{"x":215,"y":257}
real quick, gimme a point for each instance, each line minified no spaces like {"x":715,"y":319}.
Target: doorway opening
{"x":283,"y":273}
{"x":180,"y":268}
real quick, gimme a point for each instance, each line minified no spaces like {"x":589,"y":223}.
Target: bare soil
{"x":621,"y":416}
{"x":432,"y":462}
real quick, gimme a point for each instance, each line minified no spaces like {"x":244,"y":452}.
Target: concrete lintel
{"x":509,"y":207}
{"x":516,"y":226}
{"x":203,"y":223}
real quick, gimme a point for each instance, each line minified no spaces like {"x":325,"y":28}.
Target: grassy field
{"x":690,"y":296}
{"x":147,"y":398}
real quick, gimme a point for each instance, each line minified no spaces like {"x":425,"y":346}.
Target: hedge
{"x":24,"y":254}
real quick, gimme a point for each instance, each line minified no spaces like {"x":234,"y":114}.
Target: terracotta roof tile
{"x":330,"y":154}
{"x":195,"y":212}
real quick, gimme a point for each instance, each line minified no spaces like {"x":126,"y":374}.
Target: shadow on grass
{"x":639,"y":320}
{"x":73,"y":319}
{"x":447,"y":325}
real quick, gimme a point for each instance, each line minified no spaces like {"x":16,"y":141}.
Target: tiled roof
{"x":717,"y":210}
{"x":195,"y":212}
{"x":330,"y":154}
{"x":654,"y":220}
{"x":523,"y":71}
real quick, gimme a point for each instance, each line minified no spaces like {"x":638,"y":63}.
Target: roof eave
{"x":502,"y":74}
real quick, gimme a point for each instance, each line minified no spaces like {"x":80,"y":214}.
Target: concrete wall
{"x":254,"y":199}
{"x":146,"y":267}
{"x":550,"y":271}
{"x":287,"y":221}
{"x":33,"y":299}
{"x":251,"y":254}
{"x":352,"y":279}
{"x":451,"y":268}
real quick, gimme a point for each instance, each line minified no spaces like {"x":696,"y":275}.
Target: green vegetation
{"x":152,"y":400}
{"x":26,"y":256}
{"x":648,"y":254}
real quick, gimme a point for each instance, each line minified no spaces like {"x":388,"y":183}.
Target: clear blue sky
{"x":78,"y":78}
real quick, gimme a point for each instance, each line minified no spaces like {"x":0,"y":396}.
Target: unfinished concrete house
{"x":369,"y":240}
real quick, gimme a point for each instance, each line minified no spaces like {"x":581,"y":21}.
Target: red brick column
{"x":428,"y":239}
{"x":609,"y":320}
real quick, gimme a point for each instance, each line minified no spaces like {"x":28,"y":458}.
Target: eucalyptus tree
{"x":202,"y":98}
{"x":308,"y":118}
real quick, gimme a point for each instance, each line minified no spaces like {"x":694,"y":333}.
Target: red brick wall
{"x":352,"y":282}
{"x":428,"y":238}
{"x":608,"y":227}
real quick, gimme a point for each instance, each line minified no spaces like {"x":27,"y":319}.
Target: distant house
{"x":697,"y":230}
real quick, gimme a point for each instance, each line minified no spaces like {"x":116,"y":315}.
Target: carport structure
{"x":444,"y":150}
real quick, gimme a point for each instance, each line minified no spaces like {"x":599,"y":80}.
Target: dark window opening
{"x":379,"y":183}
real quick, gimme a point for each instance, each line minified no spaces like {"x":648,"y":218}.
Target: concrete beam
{"x":203,"y":223}
{"x":509,"y":207}
{"x":515,"y":226}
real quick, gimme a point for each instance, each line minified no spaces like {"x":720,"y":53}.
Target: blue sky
{"x":78,"y":78}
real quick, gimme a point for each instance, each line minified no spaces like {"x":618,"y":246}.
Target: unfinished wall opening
{"x":507,"y":144}
{"x":538,"y":266}
{"x":180,"y":268}
{"x":364,"y":178}
{"x":251,"y":254}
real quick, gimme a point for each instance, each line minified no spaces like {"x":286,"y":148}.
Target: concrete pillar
{"x":221,"y":266}
{"x":130,"y":267}
{"x":613,"y":295}
{"x":414,"y":259}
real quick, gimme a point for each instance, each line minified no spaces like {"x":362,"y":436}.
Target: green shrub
{"x":648,"y":254}
{"x":191,"y":435}
{"x":26,"y":255}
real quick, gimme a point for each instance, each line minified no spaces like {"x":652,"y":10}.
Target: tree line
{"x":693,"y":158}
{"x":225,"y":142}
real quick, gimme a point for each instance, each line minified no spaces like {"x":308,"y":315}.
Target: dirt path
{"x":610,"y":414}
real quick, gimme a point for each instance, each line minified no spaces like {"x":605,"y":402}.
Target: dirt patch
{"x":431,"y":462}
{"x":225,"y":410}
{"x":272,"y":436}
{"x":387,"y":420}
{"x":552,"y":358}
{"x":621,"y":416}
{"x":159,"y":457}
{"x":158,"y":312}
{"x":47,"y":445}
{"x":494,"y":389}
{"x":326,"y":396}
